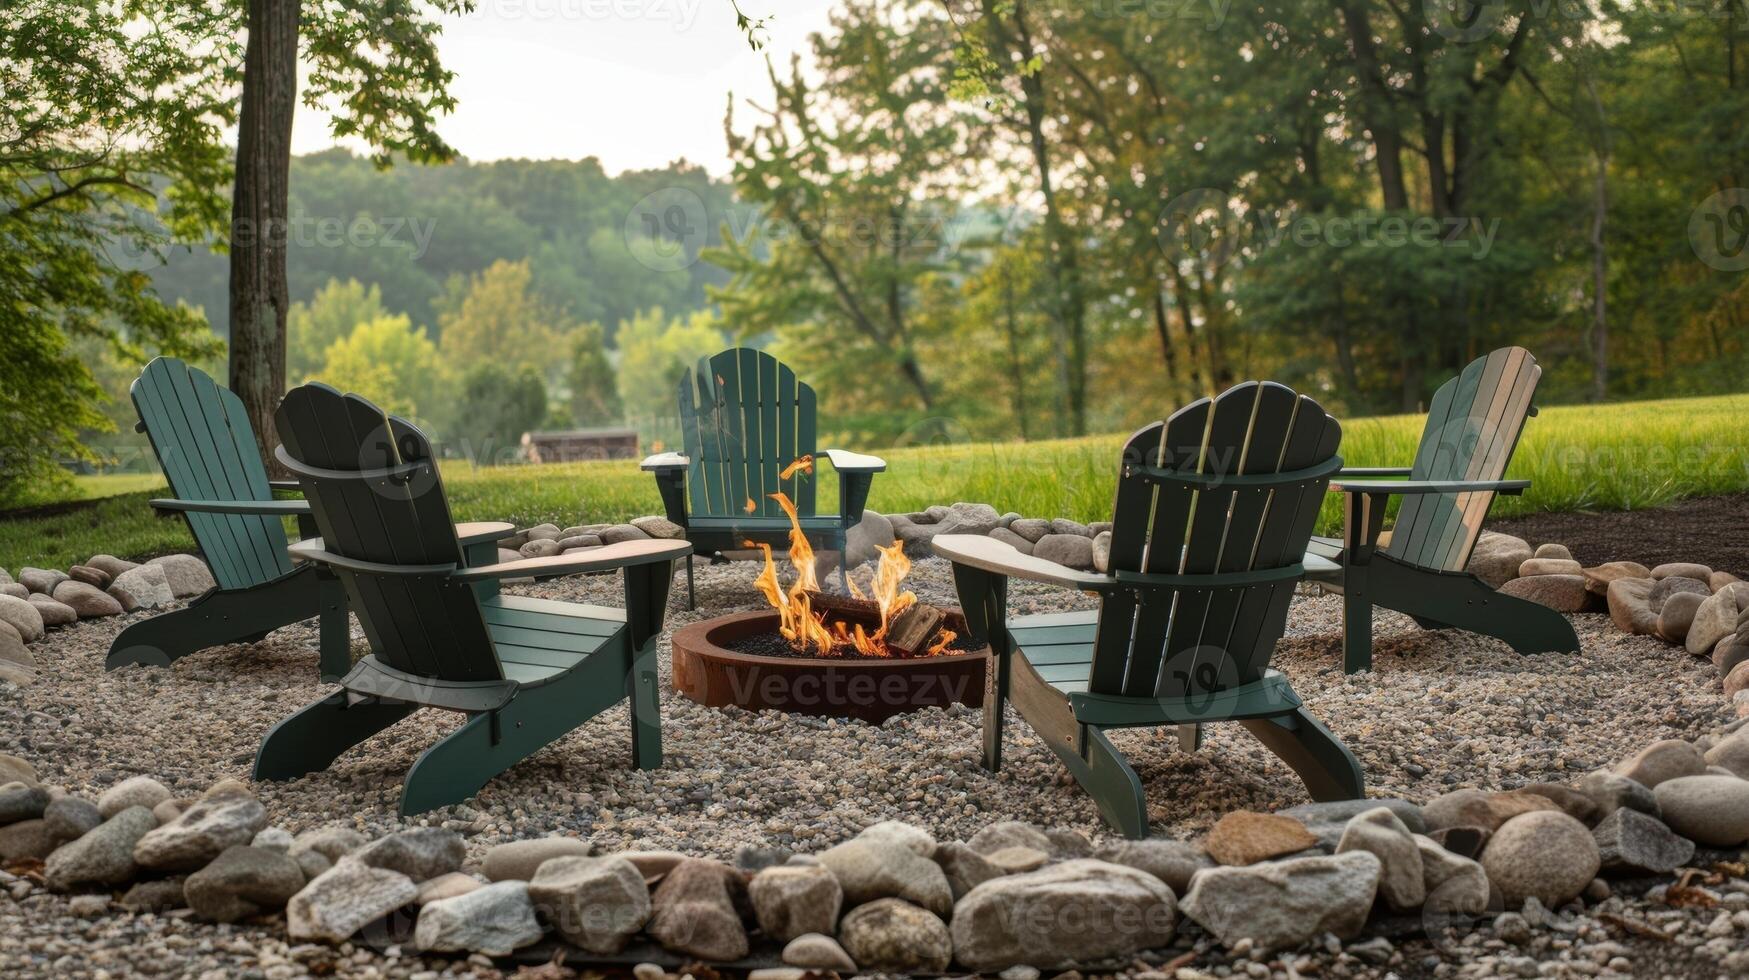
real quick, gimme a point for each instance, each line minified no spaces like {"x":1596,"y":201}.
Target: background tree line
{"x":959,"y":218}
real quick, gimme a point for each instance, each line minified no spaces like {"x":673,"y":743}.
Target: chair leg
{"x":1189,"y":738}
{"x":997,"y":680}
{"x":643,"y":687}
{"x":1114,"y":786}
{"x":691,"y":599}
{"x":313,"y":738}
{"x":218,"y":617}
{"x":1466,"y":602}
{"x":1356,"y":619}
{"x":334,"y":630}
{"x":1323,"y":763}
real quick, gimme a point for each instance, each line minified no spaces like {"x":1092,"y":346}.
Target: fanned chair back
{"x":1473,"y":426}
{"x":744,"y":417}
{"x":206,"y":447}
{"x":1222,"y":496}
{"x":374,"y":489}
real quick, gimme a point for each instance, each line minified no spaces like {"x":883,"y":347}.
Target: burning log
{"x":910,"y":634}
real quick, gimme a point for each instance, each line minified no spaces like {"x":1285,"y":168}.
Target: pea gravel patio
{"x":1440,"y":711}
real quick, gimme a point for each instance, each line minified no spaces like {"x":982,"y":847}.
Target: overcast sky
{"x":636,"y":83}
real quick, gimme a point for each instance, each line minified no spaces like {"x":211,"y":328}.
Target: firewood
{"x":916,"y":627}
{"x":865,"y":611}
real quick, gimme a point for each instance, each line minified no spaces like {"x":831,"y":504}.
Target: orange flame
{"x":807,"y":630}
{"x":749,"y":506}
{"x":803,"y":464}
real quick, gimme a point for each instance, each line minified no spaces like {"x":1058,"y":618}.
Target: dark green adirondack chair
{"x":1473,"y":425}
{"x":1214,"y":508}
{"x":206,"y":448}
{"x":743,"y":419}
{"x":525,"y":671}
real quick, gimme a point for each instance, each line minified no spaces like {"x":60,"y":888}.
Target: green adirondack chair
{"x":1213,"y":512}
{"x":525,"y":671}
{"x":206,"y":447}
{"x":1473,"y":425}
{"x":743,"y":419}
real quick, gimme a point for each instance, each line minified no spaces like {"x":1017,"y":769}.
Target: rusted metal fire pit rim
{"x":702,"y":638}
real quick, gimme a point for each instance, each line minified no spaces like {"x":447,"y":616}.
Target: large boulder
{"x":818,"y":952}
{"x":104,"y":857}
{"x":146,"y":587}
{"x":1172,"y":861}
{"x":659,"y":527}
{"x":72,"y":817}
{"x":42,"y":580}
{"x":1682,"y":569}
{"x":1630,"y":606}
{"x":1707,"y":809}
{"x":12,"y":648}
{"x":1664,"y":759}
{"x":1731,"y":754}
{"x":27,"y":839}
{"x":495,"y":920}
{"x":344,"y":899}
{"x":863,"y":541}
{"x":1008,"y":833}
{"x":88,"y":601}
{"x":1380,"y":833}
{"x":1478,"y":808}
{"x":1717,"y":618}
{"x":188,"y":576}
{"x":242,"y":882}
{"x":1597,"y":579}
{"x":1454,"y":885}
{"x":597,"y":903}
{"x":23,"y":617}
{"x":893,"y":936}
{"x":1496,"y":557}
{"x":693,"y":911}
{"x":969,"y":518}
{"x":1611,"y":791}
{"x":1562,"y":593}
{"x":1676,"y":616}
{"x":419,"y":853}
{"x":1244,"y":837}
{"x":518,"y":860}
{"x":1545,"y":855}
{"x":1068,"y":550}
{"x":21,"y":802}
{"x":871,"y":868}
{"x":53,"y":613}
{"x":1076,"y":911}
{"x":201,"y":833}
{"x":1540,"y":565}
{"x":965,"y":868}
{"x":1631,"y":841}
{"x":1282,"y":904}
{"x":794,"y":900}
{"x":16,"y":770}
{"x":133,"y":791}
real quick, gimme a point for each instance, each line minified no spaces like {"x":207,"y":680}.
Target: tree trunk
{"x":1068,"y":305}
{"x":1599,"y":286}
{"x":1017,"y":380}
{"x":259,"y":211}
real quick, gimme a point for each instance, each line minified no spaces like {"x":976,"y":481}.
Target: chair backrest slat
{"x":1173,"y":642}
{"x":206,"y":447}
{"x":430,"y":626}
{"x":743,"y":418}
{"x":1474,"y":426}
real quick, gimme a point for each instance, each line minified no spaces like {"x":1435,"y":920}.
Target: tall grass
{"x":1625,"y":456}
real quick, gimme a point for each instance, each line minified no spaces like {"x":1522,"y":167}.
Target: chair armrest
{"x":603,"y":559}
{"x":1002,"y":558}
{"x":288,"y":486}
{"x":310,"y":549}
{"x":665,"y":463}
{"x":848,"y":462}
{"x":265,"y":508}
{"x":1373,"y":471}
{"x":1388,"y":487}
{"x":480,"y":532}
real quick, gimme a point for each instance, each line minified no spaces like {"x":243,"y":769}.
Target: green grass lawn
{"x":1616,"y":457}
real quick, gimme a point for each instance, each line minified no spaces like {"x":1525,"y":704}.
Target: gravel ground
{"x":1440,"y":711}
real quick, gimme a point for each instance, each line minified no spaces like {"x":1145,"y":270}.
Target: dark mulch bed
{"x":1711,"y":530}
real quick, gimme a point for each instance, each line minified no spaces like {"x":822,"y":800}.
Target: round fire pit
{"x":871,"y":688}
